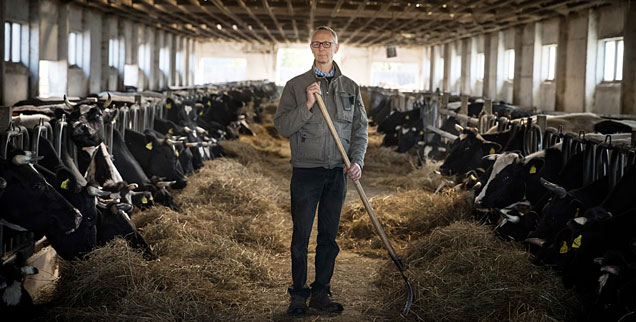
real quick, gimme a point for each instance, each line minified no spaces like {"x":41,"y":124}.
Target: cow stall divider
{"x":131,"y":111}
{"x":602,"y":157}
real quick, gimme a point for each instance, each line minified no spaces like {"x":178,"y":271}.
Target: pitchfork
{"x":367,"y":205}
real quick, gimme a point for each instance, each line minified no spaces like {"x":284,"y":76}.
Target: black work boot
{"x":298,"y":302}
{"x":321,"y":299}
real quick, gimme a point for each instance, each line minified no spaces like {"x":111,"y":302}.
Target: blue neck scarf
{"x":322,"y":74}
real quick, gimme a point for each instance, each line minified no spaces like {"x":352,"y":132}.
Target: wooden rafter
{"x":335,"y":11}
{"x":310,"y":23}
{"x":258,"y":21}
{"x":290,"y":8}
{"x":361,"y":7}
{"x":368,"y":22}
{"x":385,"y":26}
{"x":278,"y":26}
{"x":236,"y":19}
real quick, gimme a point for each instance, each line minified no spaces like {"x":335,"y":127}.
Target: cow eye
{"x":39,"y":186}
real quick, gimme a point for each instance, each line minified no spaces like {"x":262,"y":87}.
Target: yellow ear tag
{"x":144,"y":200}
{"x":577,"y":242}
{"x":149,"y":146}
{"x":576,"y":214}
{"x":407,"y":117}
{"x":394,"y":134}
{"x":209,"y":103}
{"x":176,"y":153}
{"x":533,"y":170}
{"x":170,"y":131}
{"x":200,"y":112}
{"x":168,"y":106}
{"x":151,"y":198}
{"x":492,"y":151}
{"x":207,"y":132}
{"x":564,"y":249}
{"x":64,"y":184}
{"x":421,"y":132}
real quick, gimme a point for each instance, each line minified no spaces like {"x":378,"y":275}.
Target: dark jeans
{"x":311,"y":187}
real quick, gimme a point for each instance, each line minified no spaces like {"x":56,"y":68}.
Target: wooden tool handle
{"x":363,"y":196}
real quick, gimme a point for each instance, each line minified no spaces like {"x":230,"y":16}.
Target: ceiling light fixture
{"x":249,"y":27}
{"x":234,"y":27}
{"x":218,"y":26}
{"x":444,"y":6}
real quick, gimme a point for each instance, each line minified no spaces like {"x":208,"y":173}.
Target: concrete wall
{"x":46,"y":25}
{"x":578,"y":85}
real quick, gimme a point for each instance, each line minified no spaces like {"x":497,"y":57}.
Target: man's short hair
{"x":333,"y":33}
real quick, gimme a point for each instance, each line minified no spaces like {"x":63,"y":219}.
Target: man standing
{"x":318,"y":176}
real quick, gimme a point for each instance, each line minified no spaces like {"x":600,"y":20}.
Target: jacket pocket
{"x":344,"y":103}
{"x":311,"y":142}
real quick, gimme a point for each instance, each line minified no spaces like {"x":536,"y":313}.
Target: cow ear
{"x":67,"y":180}
{"x":492,"y":147}
{"x":533,"y":166}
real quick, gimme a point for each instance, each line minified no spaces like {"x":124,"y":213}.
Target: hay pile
{"x":405,"y":216}
{"x":217,"y":257}
{"x":461,"y":272}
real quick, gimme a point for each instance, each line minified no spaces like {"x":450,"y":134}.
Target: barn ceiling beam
{"x":236,"y":19}
{"x":385,"y":26}
{"x":335,"y":11}
{"x":258,"y":21}
{"x":310,"y":23}
{"x":368,"y":22}
{"x":361,"y":7}
{"x":147,"y":6}
{"x":290,"y":9}
{"x":271,"y":15}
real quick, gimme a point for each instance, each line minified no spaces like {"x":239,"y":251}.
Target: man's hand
{"x":354,"y":172}
{"x":311,"y":89}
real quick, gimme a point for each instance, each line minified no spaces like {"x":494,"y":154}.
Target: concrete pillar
{"x":535,"y":77}
{"x":34,"y":47}
{"x":560,"y":75}
{"x":520,"y":56}
{"x":575,"y":70}
{"x":466,"y":60}
{"x":93,"y":26}
{"x":591,"y":76}
{"x":628,"y":90}
{"x":491,"y":44}
{"x":447,"y":63}
{"x":172,"y":43}
{"x":3,"y":14}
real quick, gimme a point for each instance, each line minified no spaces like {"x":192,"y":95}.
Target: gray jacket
{"x":309,"y":138}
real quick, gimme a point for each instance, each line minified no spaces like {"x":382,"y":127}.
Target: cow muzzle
{"x":77,"y":220}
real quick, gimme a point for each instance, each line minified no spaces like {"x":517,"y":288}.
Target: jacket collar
{"x":336,"y":70}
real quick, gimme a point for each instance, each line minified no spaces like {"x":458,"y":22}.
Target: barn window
{"x":164,"y":60}
{"x":219,"y":69}
{"x":509,"y":64}
{"x":479,"y":68}
{"x":131,"y":75}
{"x":456,"y":68}
{"x":394,"y":75}
{"x":548,"y":63}
{"x":613,"y":60}
{"x":180,"y":63}
{"x":113,"y":52}
{"x":75,"y":49}
{"x":291,"y":62}
{"x":12,"y":42}
{"x":439,"y":69}
{"x":144,"y":58}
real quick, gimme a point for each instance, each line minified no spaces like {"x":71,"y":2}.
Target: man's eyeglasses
{"x":325,"y":44}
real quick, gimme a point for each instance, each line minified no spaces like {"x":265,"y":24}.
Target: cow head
{"x":86,"y":122}
{"x":467,"y":152}
{"x":31,"y":202}
{"x":506,"y":183}
{"x":156,"y":156}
